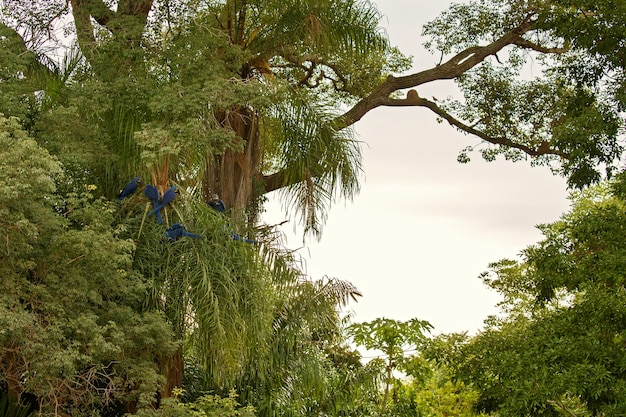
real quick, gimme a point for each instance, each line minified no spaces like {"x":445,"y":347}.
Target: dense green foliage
{"x":95,"y":302}
{"x":175,"y":99}
{"x":555,"y":93}
{"x":74,"y":330}
{"x":558,"y":349}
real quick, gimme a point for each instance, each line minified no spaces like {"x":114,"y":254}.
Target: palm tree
{"x":247,"y":316}
{"x":286,"y":70}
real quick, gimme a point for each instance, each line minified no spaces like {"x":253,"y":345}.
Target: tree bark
{"x":234,"y":175}
{"x":126,"y":25}
{"x":172,"y":368}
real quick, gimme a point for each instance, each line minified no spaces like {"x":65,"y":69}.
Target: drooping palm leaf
{"x":319,"y":161}
{"x":211,"y":289}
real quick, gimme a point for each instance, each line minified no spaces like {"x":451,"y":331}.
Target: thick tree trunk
{"x":236,"y":176}
{"x":172,"y":369}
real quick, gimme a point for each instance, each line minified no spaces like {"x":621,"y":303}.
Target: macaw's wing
{"x":169,"y":196}
{"x":174,"y":232}
{"x":152,"y":193}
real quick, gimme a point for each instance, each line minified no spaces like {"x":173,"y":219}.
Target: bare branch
{"x":306,"y":79}
{"x":415,"y":100}
{"x":277,"y":181}
{"x":524,"y":43}
{"x":316,"y":62}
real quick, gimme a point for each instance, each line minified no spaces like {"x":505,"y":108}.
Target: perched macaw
{"x":152,"y":193}
{"x":235,"y":236}
{"x":130,"y":188}
{"x":168,"y":197}
{"x":217,"y":204}
{"x":177,"y":230}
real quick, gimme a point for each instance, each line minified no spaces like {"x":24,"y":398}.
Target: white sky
{"x":424,"y":226}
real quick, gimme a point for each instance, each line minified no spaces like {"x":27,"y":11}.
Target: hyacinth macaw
{"x":177,"y":230}
{"x":235,"y":236}
{"x":217,"y":204}
{"x":152,"y":193}
{"x":168,"y":197}
{"x":130,"y":188}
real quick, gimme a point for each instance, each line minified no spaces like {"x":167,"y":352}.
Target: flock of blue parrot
{"x":177,"y":230}
{"x":174,"y":232}
{"x":168,"y":196}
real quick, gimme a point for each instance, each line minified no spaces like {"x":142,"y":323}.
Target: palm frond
{"x":322,"y":27}
{"x":320,"y":162}
{"x":211,"y":289}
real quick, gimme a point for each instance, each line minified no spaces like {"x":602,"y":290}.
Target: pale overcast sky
{"x":424,"y":226}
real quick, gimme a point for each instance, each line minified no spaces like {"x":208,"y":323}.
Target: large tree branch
{"x":413,"y":99}
{"x":135,"y":7}
{"x":102,"y":14}
{"x":524,"y":43}
{"x":276,"y":181}
{"x":454,"y":67}
{"x":116,"y":22}
{"x":84,"y":29}
{"x":95,"y":9}
{"x":279,"y":179}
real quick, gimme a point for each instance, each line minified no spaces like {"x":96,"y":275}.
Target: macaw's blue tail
{"x":189,"y":234}
{"x":157,"y":211}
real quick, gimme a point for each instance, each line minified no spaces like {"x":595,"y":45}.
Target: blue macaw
{"x":177,"y":230}
{"x":152,"y":193}
{"x":130,"y":188}
{"x":235,"y":236}
{"x":217,"y":204}
{"x":168,"y":197}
